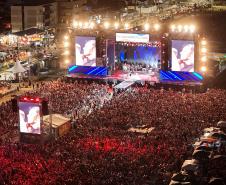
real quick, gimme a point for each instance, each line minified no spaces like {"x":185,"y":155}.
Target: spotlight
{"x":192,"y":28}
{"x":157,"y":27}
{"x":75,"y":24}
{"x":146,"y":26}
{"x":203,"y":50}
{"x":116,"y":25}
{"x":80,"y":24}
{"x":203,"y":42}
{"x":126,"y":26}
{"x":66,"y":44}
{"x":86,"y":25}
{"x":106,"y":25}
{"x":66,"y":61}
{"x":204,"y":59}
{"x":186,"y":28}
{"x":66,"y":52}
{"x":173,"y":27}
{"x":66,"y":37}
{"x":179,"y":27}
{"x":203,"y":69}
{"x":92,"y":25}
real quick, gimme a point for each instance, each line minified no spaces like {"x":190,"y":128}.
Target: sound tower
{"x":45,"y":109}
{"x":164,"y":52}
{"x":14,"y":104}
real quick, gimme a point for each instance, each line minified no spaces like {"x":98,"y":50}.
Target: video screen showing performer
{"x":85,"y":51}
{"x":182,"y":55}
{"x":147,"y":55}
{"x":29,"y":117}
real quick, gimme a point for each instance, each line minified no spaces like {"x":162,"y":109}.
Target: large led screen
{"x":85,"y":51}
{"x":182,"y":55}
{"x":29,"y":115}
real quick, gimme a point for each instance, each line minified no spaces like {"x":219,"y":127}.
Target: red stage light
{"x":37,"y":99}
{"x":25,"y":98}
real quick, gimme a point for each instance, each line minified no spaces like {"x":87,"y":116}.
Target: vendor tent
{"x":3,"y":54}
{"x":17,"y":68}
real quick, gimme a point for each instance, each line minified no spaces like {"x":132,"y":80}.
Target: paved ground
{"x":10,"y":96}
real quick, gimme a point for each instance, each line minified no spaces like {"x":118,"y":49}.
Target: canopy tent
{"x":17,"y":68}
{"x":3,"y":54}
{"x":30,"y":31}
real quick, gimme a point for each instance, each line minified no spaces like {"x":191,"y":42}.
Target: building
{"x":42,"y":15}
{"x":68,"y":10}
{"x":4,"y":17}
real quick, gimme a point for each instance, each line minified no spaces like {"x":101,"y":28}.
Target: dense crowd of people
{"x":101,"y":149}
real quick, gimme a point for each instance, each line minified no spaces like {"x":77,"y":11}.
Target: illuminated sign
{"x":132,"y":37}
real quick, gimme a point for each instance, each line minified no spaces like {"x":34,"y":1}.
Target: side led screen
{"x":29,"y":117}
{"x":85,"y":51}
{"x":182,"y":55}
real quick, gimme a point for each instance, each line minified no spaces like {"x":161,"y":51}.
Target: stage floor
{"x":169,"y":77}
{"x":135,"y":76}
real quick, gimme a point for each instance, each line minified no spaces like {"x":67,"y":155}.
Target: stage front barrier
{"x":88,"y":70}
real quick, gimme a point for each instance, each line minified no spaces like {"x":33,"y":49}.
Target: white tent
{"x":17,"y":68}
{"x":3,"y":54}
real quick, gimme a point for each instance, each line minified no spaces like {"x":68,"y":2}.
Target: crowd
{"x":101,"y":150}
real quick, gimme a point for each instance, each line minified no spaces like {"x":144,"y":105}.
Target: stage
{"x":150,"y":77}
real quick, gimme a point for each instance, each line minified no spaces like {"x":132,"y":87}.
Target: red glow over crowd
{"x":100,"y":149}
